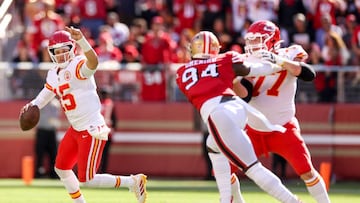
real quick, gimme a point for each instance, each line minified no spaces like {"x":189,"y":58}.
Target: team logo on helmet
{"x":204,"y":45}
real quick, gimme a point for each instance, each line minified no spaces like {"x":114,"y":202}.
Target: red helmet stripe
{"x":209,"y":43}
{"x":206,"y":43}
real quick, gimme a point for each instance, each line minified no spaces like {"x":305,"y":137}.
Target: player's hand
{"x":75,"y":33}
{"x":265,"y":55}
{"x":269,"y":56}
{"x":26,"y":107}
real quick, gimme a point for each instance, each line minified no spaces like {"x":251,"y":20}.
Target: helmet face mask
{"x":204,"y":45}
{"x":60,"y":55}
{"x":262,"y":35}
{"x":255,"y":42}
{"x":61,"y":48}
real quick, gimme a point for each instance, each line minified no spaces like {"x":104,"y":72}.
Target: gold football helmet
{"x":204,"y":45}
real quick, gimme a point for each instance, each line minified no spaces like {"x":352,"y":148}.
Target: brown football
{"x":29,"y":117}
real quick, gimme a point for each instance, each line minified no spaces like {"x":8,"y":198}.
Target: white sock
{"x":109,"y":181}
{"x":270,"y":183}
{"x":317,"y":189}
{"x":235,"y":190}
{"x":71,"y":183}
{"x":222,"y":172}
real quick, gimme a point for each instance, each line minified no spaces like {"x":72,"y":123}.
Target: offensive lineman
{"x":72,"y":81}
{"x":207,"y":82}
{"x":274,"y":96}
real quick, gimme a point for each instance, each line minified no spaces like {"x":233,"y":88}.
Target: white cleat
{"x":139,"y":187}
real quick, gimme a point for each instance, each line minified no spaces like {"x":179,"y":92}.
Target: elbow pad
{"x":307,"y":72}
{"x":249,"y":87}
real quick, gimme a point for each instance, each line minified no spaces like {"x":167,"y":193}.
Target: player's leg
{"x":90,"y":153}
{"x":71,"y":183}
{"x":257,"y":142}
{"x":270,"y":183}
{"x":235,"y":190}
{"x":65,"y":161}
{"x":105,"y":156}
{"x":316,"y":186}
{"x":222,"y":173}
{"x":221,"y":169}
{"x":294,"y":150}
{"x":227,"y":129}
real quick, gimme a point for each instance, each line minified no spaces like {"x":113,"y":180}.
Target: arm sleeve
{"x":307,"y":72}
{"x":86,"y":72}
{"x":248,"y":85}
{"x":43,"y":98}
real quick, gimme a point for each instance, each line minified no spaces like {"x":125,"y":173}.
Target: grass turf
{"x":161,"y":191}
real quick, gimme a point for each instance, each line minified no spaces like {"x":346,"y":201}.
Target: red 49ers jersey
{"x":201,"y":80}
{"x":274,"y":95}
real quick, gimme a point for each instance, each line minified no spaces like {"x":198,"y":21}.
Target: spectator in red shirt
{"x":106,"y":50}
{"x":326,"y":7}
{"x":334,"y":53}
{"x":188,"y":14}
{"x":45,"y":24}
{"x":93,"y":15}
{"x":156,"y":56}
{"x":131,"y":54}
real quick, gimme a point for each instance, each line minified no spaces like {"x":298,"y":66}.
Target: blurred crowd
{"x":156,"y":33}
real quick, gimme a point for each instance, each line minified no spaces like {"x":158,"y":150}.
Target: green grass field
{"x":161,"y":191}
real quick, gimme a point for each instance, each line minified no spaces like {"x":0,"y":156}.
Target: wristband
{"x":84,"y":44}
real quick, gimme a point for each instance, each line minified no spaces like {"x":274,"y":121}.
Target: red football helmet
{"x":204,"y":45}
{"x":262,"y":34}
{"x":61,"y":48}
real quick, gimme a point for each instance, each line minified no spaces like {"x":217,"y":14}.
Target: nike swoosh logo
{"x":84,"y":136}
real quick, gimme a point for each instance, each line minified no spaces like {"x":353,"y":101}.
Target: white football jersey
{"x":274,"y":95}
{"x":77,"y":95}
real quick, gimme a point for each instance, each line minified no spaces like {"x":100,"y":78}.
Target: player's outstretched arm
{"x":91,"y":56}
{"x":301,"y":70}
{"x":242,"y":67}
{"x":254,"y":69}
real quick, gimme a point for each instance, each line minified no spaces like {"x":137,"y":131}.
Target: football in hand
{"x":29,"y":117}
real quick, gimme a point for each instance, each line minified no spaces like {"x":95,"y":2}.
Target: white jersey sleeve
{"x":294,"y":52}
{"x":43,"y":98}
